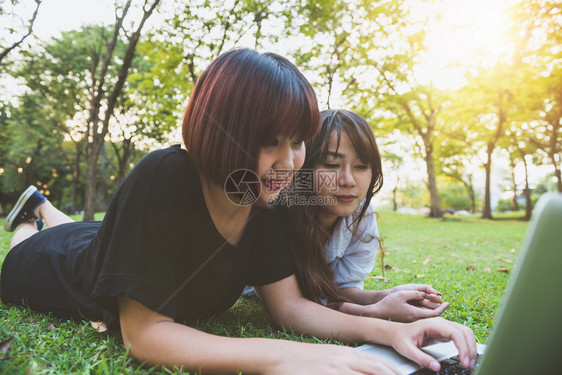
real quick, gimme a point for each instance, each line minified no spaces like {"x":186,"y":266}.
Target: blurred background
{"x":464,"y":97}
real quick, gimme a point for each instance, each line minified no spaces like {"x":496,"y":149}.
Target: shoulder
{"x":168,"y":163}
{"x":160,"y":174}
{"x":369,"y":219}
{"x":367,"y":229}
{"x":173,"y":155}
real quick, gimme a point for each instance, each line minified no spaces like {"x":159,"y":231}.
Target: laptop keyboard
{"x":451,"y":366}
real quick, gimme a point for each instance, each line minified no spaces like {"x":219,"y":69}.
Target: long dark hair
{"x":314,"y":275}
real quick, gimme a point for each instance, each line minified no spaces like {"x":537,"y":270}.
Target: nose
{"x":285,"y":157}
{"x":345,"y":177}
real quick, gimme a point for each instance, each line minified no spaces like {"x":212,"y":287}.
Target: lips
{"x":274,"y":185}
{"x":345,"y":198}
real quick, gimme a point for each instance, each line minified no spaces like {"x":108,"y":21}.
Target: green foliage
{"x":412,"y":195}
{"x":346,"y":41}
{"x":32,"y":151}
{"x":453,"y":195}
{"x":358,"y":54}
{"x":47,"y":124}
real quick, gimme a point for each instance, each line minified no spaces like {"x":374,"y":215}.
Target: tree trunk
{"x":76,"y":178}
{"x":394,"y":203}
{"x":123,"y":157}
{"x":528,"y":202}
{"x":101,"y":193}
{"x":434,"y":203}
{"x":90,"y":191}
{"x":514,"y":203}
{"x":486,"y":209}
{"x":527,"y":193}
{"x":556,"y":172}
{"x":470,"y":191}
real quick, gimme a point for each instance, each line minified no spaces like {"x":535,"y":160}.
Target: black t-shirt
{"x":159,"y":246}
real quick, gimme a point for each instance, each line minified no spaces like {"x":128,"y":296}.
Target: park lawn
{"x":467,"y":259}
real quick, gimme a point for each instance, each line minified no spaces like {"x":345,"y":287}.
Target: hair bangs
{"x":297,"y":114}
{"x":362,"y":139}
{"x":291,"y":106}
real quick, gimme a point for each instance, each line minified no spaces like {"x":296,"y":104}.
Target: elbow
{"x":132,"y":346}
{"x":284,"y":316}
{"x":140,"y":351}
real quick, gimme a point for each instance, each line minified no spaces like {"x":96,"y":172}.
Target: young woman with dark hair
{"x":335,"y":241}
{"x":176,"y":245}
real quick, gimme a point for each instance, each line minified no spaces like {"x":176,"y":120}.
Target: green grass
{"x":460,"y":257}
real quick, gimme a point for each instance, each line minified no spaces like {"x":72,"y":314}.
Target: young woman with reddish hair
{"x":181,"y":238}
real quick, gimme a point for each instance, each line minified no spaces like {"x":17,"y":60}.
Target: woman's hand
{"x":409,"y":338}
{"x":433,"y":295}
{"x":331,"y":359}
{"x":408,"y":306}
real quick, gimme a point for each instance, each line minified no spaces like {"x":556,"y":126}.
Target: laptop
{"x":527,"y":334}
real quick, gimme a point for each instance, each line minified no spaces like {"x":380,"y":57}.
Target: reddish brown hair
{"x":242,"y":100}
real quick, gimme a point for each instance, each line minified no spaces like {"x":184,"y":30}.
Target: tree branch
{"x":29,"y":32}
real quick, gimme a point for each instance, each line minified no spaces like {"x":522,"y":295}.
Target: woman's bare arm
{"x":157,"y":340}
{"x":288,"y":308}
{"x":405,"y":303}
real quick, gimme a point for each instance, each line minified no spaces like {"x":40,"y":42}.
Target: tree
{"x":62,"y":73}
{"x":190,"y":38}
{"x":33,"y":150}
{"x":364,"y":52}
{"x":487,"y":100}
{"x":418,"y":116}
{"x":539,"y":47}
{"x":368,"y":50}
{"x":520,"y":148}
{"x":455,"y":158}
{"x":513,"y":165}
{"x":344,"y":41}
{"x":393,"y":162}
{"x":545,"y":129}
{"x":453,"y":194}
{"x":56,"y":73}
{"x":103,"y":99}
{"x":19,"y":29}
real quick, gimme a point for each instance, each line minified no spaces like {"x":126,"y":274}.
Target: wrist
{"x":378,"y":295}
{"x":382,"y":332}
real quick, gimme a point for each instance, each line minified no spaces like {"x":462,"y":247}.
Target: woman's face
{"x":342,"y":180}
{"x":279,"y":158}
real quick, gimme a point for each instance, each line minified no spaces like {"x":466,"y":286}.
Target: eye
{"x":331,"y":165}
{"x":272,"y":142}
{"x":362,"y":167}
{"x":298,"y":142}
